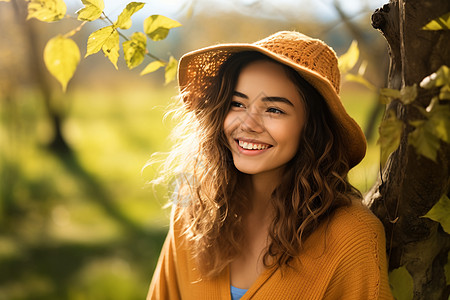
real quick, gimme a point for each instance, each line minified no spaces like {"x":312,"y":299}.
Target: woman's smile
{"x":251,"y":144}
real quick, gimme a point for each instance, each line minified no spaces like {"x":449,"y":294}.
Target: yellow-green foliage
{"x":440,"y":212}
{"x":391,"y":130}
{"x":47,"y":10}
{"x":441,"y":23}
{"x":401,"y":284}
{"x":62,"y":54}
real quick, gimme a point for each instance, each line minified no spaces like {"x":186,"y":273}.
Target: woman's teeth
{"x":252,"y":146}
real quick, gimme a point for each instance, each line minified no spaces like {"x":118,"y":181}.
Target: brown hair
{"x":313,"y":185}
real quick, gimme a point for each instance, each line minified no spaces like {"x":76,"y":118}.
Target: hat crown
{"x":306,"y":52}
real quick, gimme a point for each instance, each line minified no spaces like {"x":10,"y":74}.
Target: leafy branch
{"x":429,"y":131}
{"x":62,"y":55}
{"x":435,"y":124}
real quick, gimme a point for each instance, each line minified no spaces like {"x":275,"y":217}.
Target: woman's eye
{"x":275,"y":110}
{"x":236,"y":104}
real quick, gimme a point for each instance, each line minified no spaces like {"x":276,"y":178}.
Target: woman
{"x":263,"y":208}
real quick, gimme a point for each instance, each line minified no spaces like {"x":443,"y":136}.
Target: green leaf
{"x":124,"y":19}
{"x":152,"y":67}
{"x":157,"y":27}
{"x":111,"y":48}
{"x":439,"y":122}
{"x":46,"y":10}
{"x":92,"y":11}
{"x":393,"y":93}
{"x":424,"y":140}
{"x":386,"y":95}
{"x":349,"y":59}
{"x":391,"y":130}
{"x":440,"y":78}
{"x":441,"y":23}
{"x":98,"y":38}
{"x":440,"y":213}
{"x":134,"y":49}
{"x":444,"y":94}
{"x":106,"y":39}
{"x":408,"y":94}
{"x":359,"y":79}
{"x":402,"y":284}
{"x":171,"y":70}
{"x":447,"y":269}
{"x":61,"y":57}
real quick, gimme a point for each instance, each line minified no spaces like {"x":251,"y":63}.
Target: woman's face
{"x":265,"y":121}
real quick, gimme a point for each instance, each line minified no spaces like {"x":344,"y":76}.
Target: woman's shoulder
{"x":351,"y":233}
{"x":355,"y":222}
{"x":356,"y":211}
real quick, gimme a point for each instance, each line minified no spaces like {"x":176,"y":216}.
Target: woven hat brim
{"x":354,"y":137}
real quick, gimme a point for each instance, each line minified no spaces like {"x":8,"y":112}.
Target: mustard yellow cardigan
{"x":343,"y":259}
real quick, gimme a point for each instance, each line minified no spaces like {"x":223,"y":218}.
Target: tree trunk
{"x":58,"y":143}
{"x":412,"y":184}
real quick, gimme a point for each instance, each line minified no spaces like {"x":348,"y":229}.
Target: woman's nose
{"x":252,"y":122}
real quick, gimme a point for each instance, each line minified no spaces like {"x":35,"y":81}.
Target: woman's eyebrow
{"x":240,"y":95}
{"x":265,"y":99}
{"x":277,"y":99}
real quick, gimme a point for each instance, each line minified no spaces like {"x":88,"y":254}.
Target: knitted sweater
{"x":343,"y":259}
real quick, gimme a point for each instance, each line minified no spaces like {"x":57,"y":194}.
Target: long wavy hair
{"x":210,"y":194}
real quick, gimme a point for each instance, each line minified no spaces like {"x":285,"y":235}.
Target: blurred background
{"x":77,"y":217}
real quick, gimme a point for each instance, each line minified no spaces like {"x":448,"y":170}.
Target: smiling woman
{"x":264,"y":209}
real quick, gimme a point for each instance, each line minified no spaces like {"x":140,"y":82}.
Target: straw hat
{"x":311,"y":58}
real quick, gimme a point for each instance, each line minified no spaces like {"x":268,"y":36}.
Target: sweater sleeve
{"x":361,"y":272}
{"x":164,"y":283}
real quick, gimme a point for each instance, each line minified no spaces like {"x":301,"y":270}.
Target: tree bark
{"x":411,"y":184}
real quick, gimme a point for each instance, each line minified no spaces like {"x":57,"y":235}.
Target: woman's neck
{"x":261,"y":187}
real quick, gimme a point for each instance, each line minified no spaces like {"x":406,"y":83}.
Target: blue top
{"x":237,"y":293}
